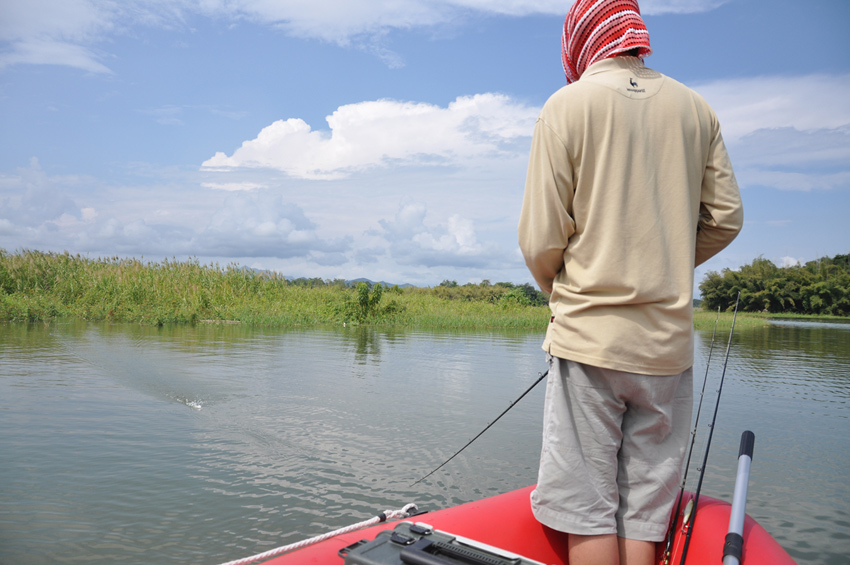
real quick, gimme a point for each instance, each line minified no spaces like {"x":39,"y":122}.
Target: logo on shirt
{"x":634,"y":87}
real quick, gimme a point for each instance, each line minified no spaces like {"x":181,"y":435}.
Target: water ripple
{"x":291,"y":433}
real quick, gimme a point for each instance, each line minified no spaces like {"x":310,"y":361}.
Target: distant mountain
{"x":384,"y":284}
{"x":349,"y":282}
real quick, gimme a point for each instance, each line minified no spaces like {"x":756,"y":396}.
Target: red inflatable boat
{"x":506,"y":522}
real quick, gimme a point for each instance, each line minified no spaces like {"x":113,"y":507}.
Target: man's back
{"x":624,"y":162}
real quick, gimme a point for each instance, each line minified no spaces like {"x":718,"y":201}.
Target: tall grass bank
{"x":37,"y":286}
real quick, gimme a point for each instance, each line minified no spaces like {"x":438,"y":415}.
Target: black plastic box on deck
{"x":419,"y":544}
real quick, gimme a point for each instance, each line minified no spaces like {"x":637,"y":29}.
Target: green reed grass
{"x":37,"y":286}
{"x":704,"y":320}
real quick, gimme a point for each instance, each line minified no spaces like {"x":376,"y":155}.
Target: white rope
{"x":382,"y":517}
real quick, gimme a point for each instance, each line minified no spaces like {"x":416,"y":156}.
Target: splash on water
{"x":193,"y":404}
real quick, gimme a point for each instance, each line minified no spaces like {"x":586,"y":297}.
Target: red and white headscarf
{"x":599,"y":29}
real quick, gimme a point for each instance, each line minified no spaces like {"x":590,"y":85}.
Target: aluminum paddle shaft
{"x":734,"y":546}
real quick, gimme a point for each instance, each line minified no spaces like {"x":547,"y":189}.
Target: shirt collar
{"x":613,"y":64}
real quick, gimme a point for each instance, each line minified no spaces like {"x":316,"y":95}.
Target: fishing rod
{"x":672,"y":533}
{"x":710,"y":434}
{"x":534,"y":384}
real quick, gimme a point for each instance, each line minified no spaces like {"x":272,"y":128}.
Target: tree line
{"x":819,"y":287}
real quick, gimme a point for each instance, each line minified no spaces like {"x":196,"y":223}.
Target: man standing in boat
{"x":629,"y":187}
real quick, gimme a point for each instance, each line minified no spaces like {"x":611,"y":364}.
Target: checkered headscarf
{"x":599,"y":29}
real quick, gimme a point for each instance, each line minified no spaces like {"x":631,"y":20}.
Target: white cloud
{"x":790,"y":147}
{"x":54,"y":32}
{"x":62,"y":32}
{"x":262,"y":224}
{"x":339,"y":21}
{"x":768,"y":121}
{"x":377,"y":133}
{"x":7,"y":227}
{"x":41,"y":211}
{"x":413,"y":241}
{"x":459,"y":238}
{"x":53,"y":53}
{"x":77,"y":20}
{"x":232,"y":186}
{"x":786,"y":132}
{"x":135,"y":236}
{"x":647,"y":7}
{"x":30,"y":197}
{"x":802,"y":102}
{"x":787,"y":180}
{"x":173,"y":115}
{"x":167,"y":115}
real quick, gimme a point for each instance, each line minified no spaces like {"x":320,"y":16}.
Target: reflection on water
{"x":208,"y":443}
{"x":790,"y":384}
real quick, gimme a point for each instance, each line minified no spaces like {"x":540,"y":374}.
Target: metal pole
{"x":734,"y":546}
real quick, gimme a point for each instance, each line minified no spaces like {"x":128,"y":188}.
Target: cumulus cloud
{"x":808,"y":102}
{"x":137,"y":236}
{"x":6,"y":227}
{"x":786,"y":132}
{"x":769,"y":121}
{"x":43,"y":211}
{"x":63,"y":32}
{"x":792,"y":138}
{"x":377,"y":133}
{"x":47,"y":212}
{"x":261,"y":224}
{"x":454,"y":243}
{"x":30,"y":197}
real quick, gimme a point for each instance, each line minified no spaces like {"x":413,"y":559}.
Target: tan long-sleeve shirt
{"x":629,"y":187}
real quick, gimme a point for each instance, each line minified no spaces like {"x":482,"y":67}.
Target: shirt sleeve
{"x":721,"y":213}
{"x":545,"y":224}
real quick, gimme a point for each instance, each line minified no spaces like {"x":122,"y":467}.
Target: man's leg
{"x":636,"y":552}
{"x":593,"y":550}
{"x":609,"y":550}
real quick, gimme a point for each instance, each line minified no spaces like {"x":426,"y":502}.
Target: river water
{"x":129,"y":444}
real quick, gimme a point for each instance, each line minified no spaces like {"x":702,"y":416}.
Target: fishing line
{"x":540,"y":378}
{"x":710,"y":434}
{"x":672,"y":532}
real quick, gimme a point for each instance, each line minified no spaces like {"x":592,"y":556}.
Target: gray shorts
{"x":613,"y":448}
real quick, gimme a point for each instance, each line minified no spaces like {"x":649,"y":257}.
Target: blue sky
{"x":349,"y":138}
